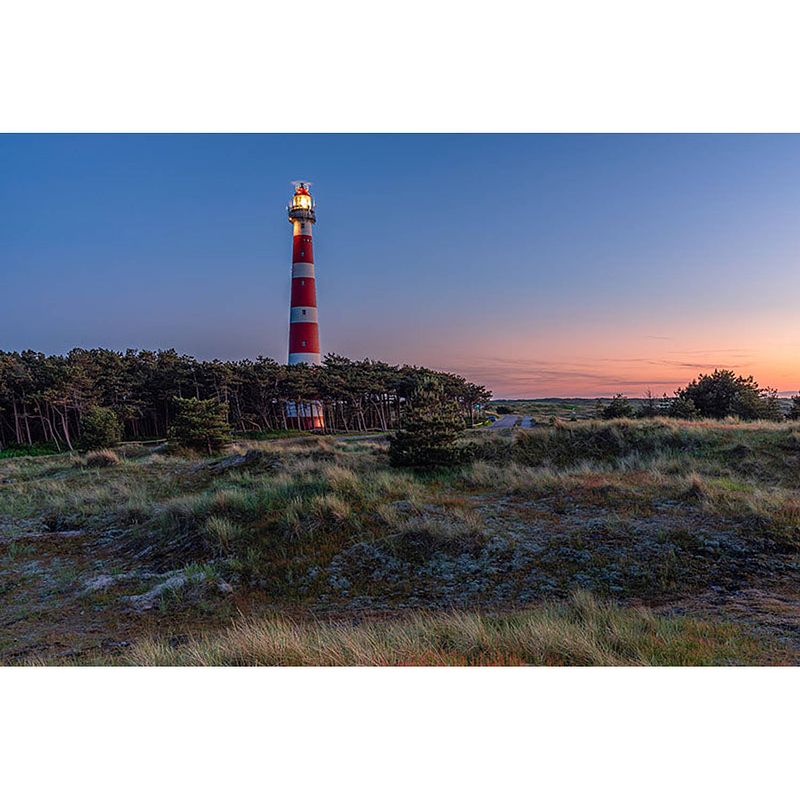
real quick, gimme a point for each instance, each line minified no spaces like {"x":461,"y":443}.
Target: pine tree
{"x":619,"y":407}
{"x":200,"y":424}
{"x":101,"y":428}
{"x":429,"y":429}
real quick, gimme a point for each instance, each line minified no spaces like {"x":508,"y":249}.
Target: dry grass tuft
{"x":343,"y":481}
{"x":102,"y":458}
{"x":222,"y":533}
{"x":331,"y":508}
{"x":584,"y":632}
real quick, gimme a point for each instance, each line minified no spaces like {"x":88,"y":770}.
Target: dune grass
{"x":641,"y":511}
{"x":746,"y":471}
{"x":582,"y":632}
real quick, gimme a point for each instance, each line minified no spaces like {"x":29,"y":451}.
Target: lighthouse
{"x":303,"y":323}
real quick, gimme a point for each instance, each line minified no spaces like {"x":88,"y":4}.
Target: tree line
{"x":44,"y":398}
{"x":716,"y":396}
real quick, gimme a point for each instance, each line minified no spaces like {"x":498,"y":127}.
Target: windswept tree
{"x":649,"y":408}
{"x":200,"y":424}
{"x":429,"y":429}
{"x":725,"y":394}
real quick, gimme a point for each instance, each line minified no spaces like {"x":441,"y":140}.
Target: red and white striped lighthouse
{"x":303,"y":323}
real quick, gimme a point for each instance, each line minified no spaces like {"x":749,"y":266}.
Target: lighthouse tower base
{"x":305,"y":416}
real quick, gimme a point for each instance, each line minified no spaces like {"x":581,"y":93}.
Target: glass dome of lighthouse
{"x":301,"y":206}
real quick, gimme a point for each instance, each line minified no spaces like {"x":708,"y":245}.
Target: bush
{"x":489,"y":448}
{"x":200,"y":425}
{"x":100,"y":428}
{"x":428,"y":431}
{"x":682,"y":408}
{"x":724,"y":394}
{"x":619,"y":408}
{"x":21,"y":450}
{"x":504,"y":409}
{"x":794,"y":411}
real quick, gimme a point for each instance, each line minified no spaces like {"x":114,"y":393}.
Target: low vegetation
{"x":698,"y":521}
{"x":582,"y":632}
{"x":102,"y":458}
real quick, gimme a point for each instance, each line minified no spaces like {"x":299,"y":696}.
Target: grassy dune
{"x":700,"y":520}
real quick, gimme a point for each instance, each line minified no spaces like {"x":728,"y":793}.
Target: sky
{"x":538,"y":265}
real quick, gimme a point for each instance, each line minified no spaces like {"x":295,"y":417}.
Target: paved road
{"x":527,"y":422}
{"x":506,"y":421}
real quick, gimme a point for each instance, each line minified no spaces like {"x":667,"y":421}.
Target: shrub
{"x":102,"y":458}
{"x":794,"y":411}
{"x":724,"y":394}
{"x":100,"y":428}
{"x":20,"y":450}
{"x":682,"y":408}
{"x":428,"y":431}
{"x":618,"y":408}
{"x":504,"y":409}
{"x":200,"y":424}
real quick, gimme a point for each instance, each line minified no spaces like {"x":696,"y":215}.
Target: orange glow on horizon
{"x":598,"y":360}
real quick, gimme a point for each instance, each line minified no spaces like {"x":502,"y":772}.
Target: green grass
{"x":24,"y":450}
{"x":648,"y":511}
{"x":269,"y":436}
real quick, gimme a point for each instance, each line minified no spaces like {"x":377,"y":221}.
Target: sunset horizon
{"x":537,"y":265}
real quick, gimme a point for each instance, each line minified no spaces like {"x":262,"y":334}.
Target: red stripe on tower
{"x":304,"y":292}
{"x":303,"y":249}
{"x":303,"y":325}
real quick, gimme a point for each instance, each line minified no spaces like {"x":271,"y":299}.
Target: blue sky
{"x":539,"y":264}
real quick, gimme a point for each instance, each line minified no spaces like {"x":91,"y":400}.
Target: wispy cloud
{"x":532,"y":377}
